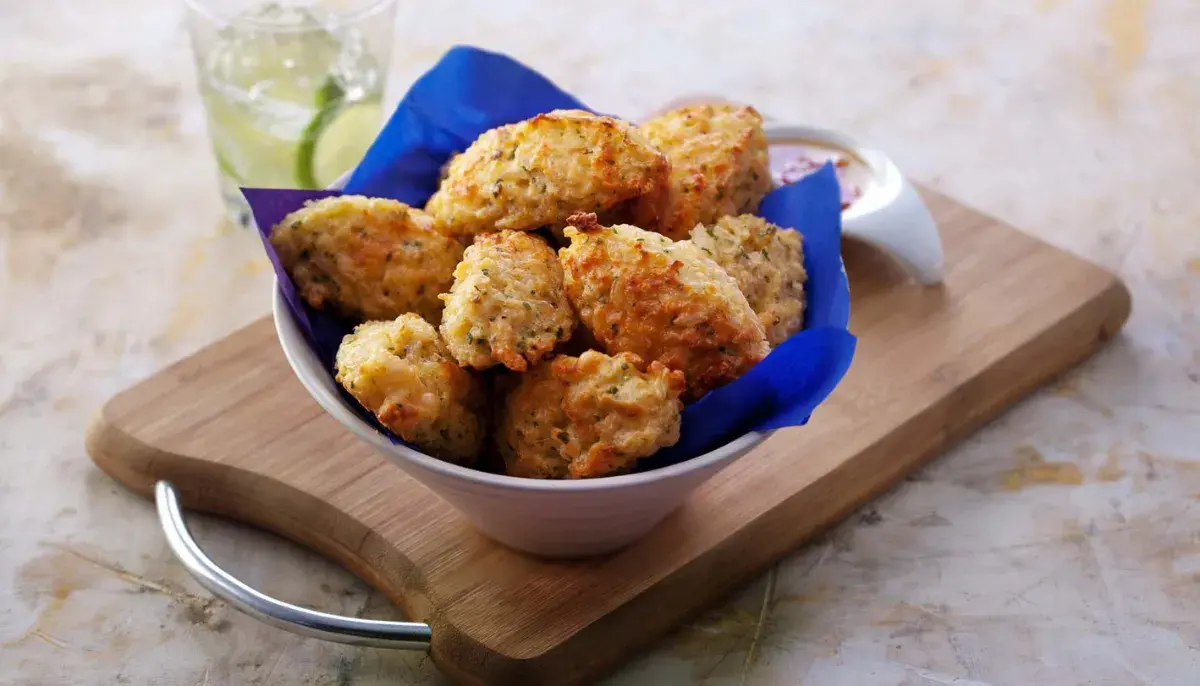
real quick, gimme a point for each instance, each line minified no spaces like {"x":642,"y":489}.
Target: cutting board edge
{"x":1111,"y":305}
{"x":105,"y":440}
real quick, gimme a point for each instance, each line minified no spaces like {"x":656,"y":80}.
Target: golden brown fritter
{"x":719,"y":165}
{"x":639,"y":292}
{"x":589,"y":416}
{"x":367,"y":258}
{"x":542,"y":170}
{"x":401,"y":372}
{"x":768,"y":264}
{"x":507,"y":304}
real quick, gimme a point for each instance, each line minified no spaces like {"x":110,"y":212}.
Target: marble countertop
{"x":1059,"y":545}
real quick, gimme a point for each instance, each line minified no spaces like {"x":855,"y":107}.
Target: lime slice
{"x":329,"y":94}
{"x":246,"y":150}
{"x":335,"y":141}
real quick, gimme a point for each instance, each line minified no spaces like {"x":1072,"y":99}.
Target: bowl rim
{"x":302,"y":361}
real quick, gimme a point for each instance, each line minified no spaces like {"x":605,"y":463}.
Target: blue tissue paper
{"x":470,"y":91}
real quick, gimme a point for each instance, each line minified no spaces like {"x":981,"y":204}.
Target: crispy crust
{"x":540,"y":171}
{"x":768,"y":264}
{"x":639,"y":292}
{"x":367,"y":258}
{"x":719,"y":165}
{"x":507,"y":305}
{"x":401,"y":372}
{"x":589,"y":416}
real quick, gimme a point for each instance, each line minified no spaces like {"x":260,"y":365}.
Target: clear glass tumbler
{"x":292,"y":88}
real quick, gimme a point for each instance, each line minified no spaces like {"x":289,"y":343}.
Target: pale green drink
{"x":292,"y":91}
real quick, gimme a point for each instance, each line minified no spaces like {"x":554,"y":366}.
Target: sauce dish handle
{"x":903,"y":228}
{"x":292,"y":618}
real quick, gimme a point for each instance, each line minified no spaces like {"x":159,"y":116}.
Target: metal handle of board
{"x":293,"y":618}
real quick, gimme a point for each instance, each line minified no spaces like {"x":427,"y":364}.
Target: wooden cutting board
{"x":239,"y":436}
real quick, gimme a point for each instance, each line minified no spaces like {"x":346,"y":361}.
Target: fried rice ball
{"x":401,"y":371}
{"x":719,"y":166}
{"x":507,"y":305}
{"x":639,"y":292}
{"x":367,"y":258}
{"x":588,"y":416}
{"x":542,"y":170}
{"x":768,"y":264}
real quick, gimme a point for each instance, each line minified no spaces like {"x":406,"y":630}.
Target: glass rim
{"x":206,"y":9}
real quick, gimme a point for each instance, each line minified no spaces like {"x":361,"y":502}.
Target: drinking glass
{"x":292,"y":89}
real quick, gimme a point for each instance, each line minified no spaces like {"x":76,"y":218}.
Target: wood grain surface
{"x":240,"y":437}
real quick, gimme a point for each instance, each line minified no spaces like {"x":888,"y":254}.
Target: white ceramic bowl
{"x":595,"y":516}
{"x":546,"y":518}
